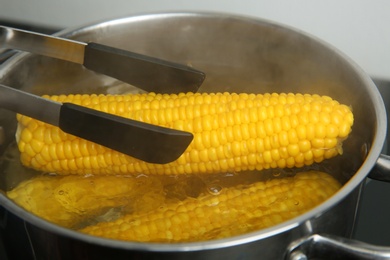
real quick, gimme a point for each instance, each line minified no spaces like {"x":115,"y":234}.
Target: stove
{"x":373,"y":219}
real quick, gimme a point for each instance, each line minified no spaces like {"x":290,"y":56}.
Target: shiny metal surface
{"x":30,"y":105}
{"x":238,"y":54}
{"x":60,"y":48}
{"x":335,"y":248}
{"x":381,"y":169}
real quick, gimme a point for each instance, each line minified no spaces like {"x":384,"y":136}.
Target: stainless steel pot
{"x":238,"y":54}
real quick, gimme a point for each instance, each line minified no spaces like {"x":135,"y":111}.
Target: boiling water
{"x":158,"y":191}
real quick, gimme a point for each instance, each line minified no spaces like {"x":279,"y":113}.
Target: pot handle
{"x":381,"y":170}
{"x":332,"y":247}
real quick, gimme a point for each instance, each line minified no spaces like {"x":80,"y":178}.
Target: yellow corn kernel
{"x":234,"y":211}
{"x":69,"y":200}
{"x":230,"y":130}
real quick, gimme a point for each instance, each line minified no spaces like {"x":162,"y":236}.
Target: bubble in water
{"x":61,"y":192}
{"x":276,"y":174}
{"x":230,"y":174}
{"x":214,"y":190}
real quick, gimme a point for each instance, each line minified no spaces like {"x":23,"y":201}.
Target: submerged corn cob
{"x":69,"y":200}
{"x":234,"y":211}
{"x":232,"y":132}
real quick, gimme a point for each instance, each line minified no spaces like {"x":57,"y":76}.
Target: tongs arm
{"x":145,"y":72}
{"x":141,"y":140}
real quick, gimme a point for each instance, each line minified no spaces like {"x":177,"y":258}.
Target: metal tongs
{"x":145,"y":72}
{"x":143,"y":141}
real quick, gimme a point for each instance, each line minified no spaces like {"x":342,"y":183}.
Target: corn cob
{"x":232,"y":132}
{"x":236,"y":210}
{"x":70,"y":200}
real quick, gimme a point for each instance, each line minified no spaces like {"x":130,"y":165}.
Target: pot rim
{"x":357,"y":179}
